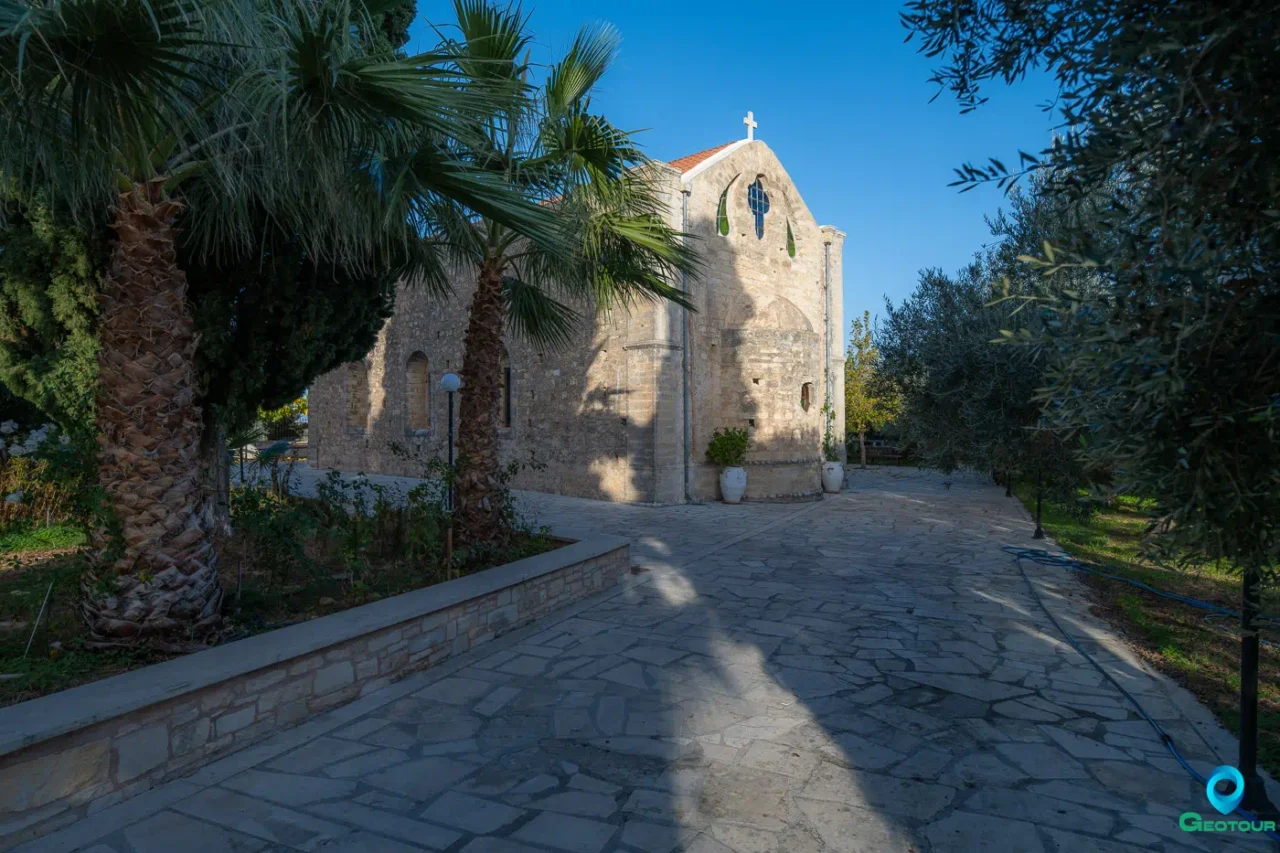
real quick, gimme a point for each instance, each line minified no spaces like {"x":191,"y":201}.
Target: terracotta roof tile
{"x":684,"y":164}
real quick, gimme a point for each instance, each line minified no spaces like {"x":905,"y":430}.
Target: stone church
{"x":626,"y":412}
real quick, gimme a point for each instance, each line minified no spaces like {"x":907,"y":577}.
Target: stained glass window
{"x":791,"y":241}
{"x":758,"y":203}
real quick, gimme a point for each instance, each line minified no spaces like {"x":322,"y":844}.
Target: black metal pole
{"x":1039,"y":534}
{"x":451,"y":471}
{"x":1255,"y":792}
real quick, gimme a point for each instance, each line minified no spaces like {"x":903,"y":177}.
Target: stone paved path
{"x":864,"y":673}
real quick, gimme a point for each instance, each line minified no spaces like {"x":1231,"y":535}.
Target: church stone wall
{"x":570,"y":410}
{"x":606,"y":415}
{"x":602,"y":417}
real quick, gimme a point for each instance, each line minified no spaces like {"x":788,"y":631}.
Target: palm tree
{"x":574,"y":162}
{"x":231,"y":110}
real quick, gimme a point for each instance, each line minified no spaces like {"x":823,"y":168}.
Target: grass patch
{"x":58,"y":537}
{"x":58,"y":657}
{"x":1201,"y":654}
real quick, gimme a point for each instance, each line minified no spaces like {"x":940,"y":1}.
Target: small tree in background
{"x":870,"y":400}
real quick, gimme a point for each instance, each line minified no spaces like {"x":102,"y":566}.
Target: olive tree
{"x":1170,"y":372}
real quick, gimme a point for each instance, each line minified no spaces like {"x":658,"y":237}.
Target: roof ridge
{"x":684,"y":164}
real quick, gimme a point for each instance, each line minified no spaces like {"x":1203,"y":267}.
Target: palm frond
{"x":82,"y":81}
{"x":534,"y":316}
{"x":493,"y":40}
{"x":570,"y":81}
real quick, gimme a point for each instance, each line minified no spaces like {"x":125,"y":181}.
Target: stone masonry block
{"x":290,"y":712}
{"x":296,"y":689}
{"x":422,"y":642}
{"x":141,"y":751}
{"x":306,"y":664}
{"x":333,"y":677}
{"x":333,"y":699}
{"x":187,"y":738}
{"x":234,"y":721}
{"x":219,"y":697}
{"x":343,"y":652}
{"x":263,"y":680}
{"x":67,"y":773}
{"x":502,"y":618}
{"x":393,"y":663}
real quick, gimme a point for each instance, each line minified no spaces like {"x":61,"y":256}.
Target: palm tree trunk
{"x":862,"y":444}
{"x":160,"y":573}
{"x":480,"y":515}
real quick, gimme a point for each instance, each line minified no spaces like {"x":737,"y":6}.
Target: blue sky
{"x":839,"y":98}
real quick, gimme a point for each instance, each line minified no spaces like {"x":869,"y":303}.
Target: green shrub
{"x":728,"y":447}
{"x":273,"y":531}
{"x":285,"y":422}
{"x":45,"y":478}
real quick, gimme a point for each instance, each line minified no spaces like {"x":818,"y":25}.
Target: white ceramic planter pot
{"x":832,"y":476}
{"x":733,"y":483}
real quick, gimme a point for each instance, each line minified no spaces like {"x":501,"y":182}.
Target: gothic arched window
{"x":791,"y":241}
{"x":758,"y":204}
{"x":417,"y":392}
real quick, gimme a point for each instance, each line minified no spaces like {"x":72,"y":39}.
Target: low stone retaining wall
{"x":106,"y":741}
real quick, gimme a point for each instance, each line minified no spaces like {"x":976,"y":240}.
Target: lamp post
{"x":450,"y":383}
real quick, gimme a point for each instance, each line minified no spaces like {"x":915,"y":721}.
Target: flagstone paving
{"x":864,"y":673}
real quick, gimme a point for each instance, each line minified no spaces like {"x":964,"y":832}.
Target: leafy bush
{"x":272,"y":534}
{"x":433,"y":497}
{"x":728,"y":447}
{"x":45,"y":478}
{"x":285,"y":422}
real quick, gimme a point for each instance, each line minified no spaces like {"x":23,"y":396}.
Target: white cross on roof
{"x":750,"y":122}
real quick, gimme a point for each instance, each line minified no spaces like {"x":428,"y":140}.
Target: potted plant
{"x":832,"y":470}
{"x":728,"y":449}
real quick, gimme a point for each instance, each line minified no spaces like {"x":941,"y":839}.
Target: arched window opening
{"x":791,"y":241}
{"x":758,"y":204}
{"x":357,"y":395}
{"x":504,"y":398}
{"x":806,"y":395}
{"x":417,"y":375}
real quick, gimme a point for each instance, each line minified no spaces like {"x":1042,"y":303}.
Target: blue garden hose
{"x":1049,"y":559}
